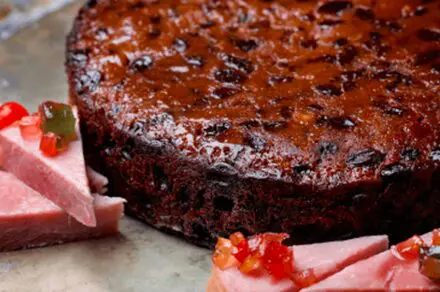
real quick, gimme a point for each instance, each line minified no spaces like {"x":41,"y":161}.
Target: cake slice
{"x":383,"y":272}
{"x":27,"y":219}
{"x":322,"y":260}
{"x":61,"y":179}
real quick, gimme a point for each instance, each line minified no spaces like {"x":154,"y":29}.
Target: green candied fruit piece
{"x":59,"y":119}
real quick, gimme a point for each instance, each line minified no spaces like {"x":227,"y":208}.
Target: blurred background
{"x":32,"y":51}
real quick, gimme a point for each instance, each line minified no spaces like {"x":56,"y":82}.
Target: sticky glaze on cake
{"x":316,"y":118}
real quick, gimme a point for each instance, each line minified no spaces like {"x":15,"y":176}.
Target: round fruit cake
{"x":315,"y":118}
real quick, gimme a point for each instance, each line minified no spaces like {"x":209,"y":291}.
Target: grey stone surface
{"x":141,"y":259}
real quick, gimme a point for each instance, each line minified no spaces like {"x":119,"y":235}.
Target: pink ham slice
{"x":97,"y":182}
{"x":383,"y":272}
{"x":324,"y":259}
{"x":27,"y":219}
{"x":61,"y":179}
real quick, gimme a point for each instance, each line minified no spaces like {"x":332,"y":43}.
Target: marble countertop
{"x":141,"y":258}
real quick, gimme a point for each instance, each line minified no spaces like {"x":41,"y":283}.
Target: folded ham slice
{"x":61,"y":179}
{"x":383,"y":272}
{"x":97,"y":182}
{"x":27,"y":219}
{"x":324,"y":259}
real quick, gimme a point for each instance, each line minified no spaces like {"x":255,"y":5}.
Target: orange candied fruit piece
{"x":241,"y":246}
{"x":48,"y":144}
{"x":410,"y":249}
{"x":251,"y":265}
{"x":236,"y":238}
{"x":304,"y":279}
{"x":11,"y":112}
{"x":223,"y":257}
{"x":436,"y":237}
{"x":30,"y":127}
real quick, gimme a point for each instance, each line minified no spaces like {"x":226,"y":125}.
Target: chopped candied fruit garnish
{"x":62,"y":144}
{"x":223,"y":258}
{"x":436,"y":237}
{"x":304,"y":278}
{"x":251,"y":265}
{"x":429,"y":262}
{"x":256,"y":244}
{"x":236,"y":238}
{"x":277,"y":237}
{"x":241,"y":246}
{"x":278,"y":260}
{"x":30,"y":127}
{"x":48,"y":144}
{"x":410,"y":249}
{"x":260,"y":254}
{"x":11,"y":112}
{"x":59,"y":119}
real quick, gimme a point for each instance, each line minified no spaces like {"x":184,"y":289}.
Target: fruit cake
{"x":315,"y":118}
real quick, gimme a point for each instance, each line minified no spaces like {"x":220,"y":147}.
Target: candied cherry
{"x":48,"y":144}
{"x":223,"y":257}
{"x":11,"y":112}
{"x":304,"y":278}
{"x":59,"y":119}
{"x":241,"y":246}
{"x":410,"y":248}
{"x":30,"y":127}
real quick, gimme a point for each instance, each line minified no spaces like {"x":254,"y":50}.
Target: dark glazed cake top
{"x":314,"y":92}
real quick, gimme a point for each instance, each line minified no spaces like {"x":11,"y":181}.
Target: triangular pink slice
{"x":61,"y":179}
{"x":27,"y":219}
{"x":383,"y":272}
{"x":324,"y":259}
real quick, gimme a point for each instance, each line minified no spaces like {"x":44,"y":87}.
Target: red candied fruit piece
{"x":241,"y":246}
{"x":30,"y":127}
{"x":222,"y":257}
{"x":10,"y":112}
{"x":48,"y":144}
{"x":410,"y":249}
{"x":304,"y":279}
{"x":278,"y":260}
{"x":436,"y":237}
